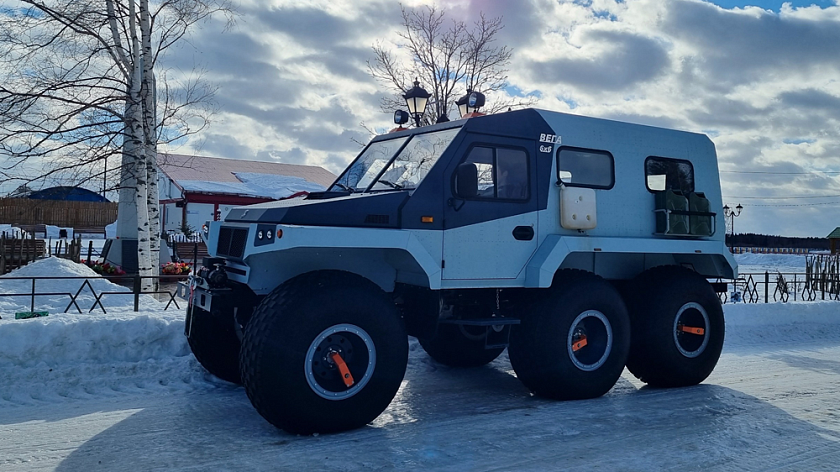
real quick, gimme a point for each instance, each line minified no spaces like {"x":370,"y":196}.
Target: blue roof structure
{"x":72,"y":194}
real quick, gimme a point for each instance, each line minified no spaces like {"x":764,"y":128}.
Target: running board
{"x":497,"y":329}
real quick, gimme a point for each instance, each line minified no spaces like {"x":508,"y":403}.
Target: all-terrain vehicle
{"x":581,"y":245}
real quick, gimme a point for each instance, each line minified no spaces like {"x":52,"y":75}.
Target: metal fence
{"x":764,"y":287}
{"x":133,"y":287}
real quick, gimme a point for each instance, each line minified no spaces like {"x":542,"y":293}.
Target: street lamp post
{"x":416,"y":98}
{"x":730,"y":214}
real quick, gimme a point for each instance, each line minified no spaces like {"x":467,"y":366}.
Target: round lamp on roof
{"x":400,"y":117}
{"x":416,"y":98}
{"x":470,"y":102}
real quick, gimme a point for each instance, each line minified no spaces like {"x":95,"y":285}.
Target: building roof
{"x":834,"y":234}
{"x":179,"y":167}
{"x":73,"y":194}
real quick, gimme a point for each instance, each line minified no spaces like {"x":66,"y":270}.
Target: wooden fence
{"x":23,"y":211}
{"x":17,"y":252}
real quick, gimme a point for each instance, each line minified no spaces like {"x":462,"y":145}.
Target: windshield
{"x":368,"y":165}
{"x":405,"y":171}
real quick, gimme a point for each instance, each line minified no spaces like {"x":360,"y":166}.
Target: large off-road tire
{"x":547,"y":351}
{"x":460,"y":346}
{"x":667,"y":350}
{"x":286,"y":360}
{"x":214,"y":343}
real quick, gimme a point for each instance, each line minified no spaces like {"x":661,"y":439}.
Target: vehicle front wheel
{"x":214,"y":343}
{"x":324,"y":352}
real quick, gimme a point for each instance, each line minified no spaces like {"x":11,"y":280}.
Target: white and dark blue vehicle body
{"x":472,"y":222}
{"x":423,"y":233}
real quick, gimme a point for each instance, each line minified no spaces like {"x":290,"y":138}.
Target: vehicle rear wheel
{"x":573,"y":343}
{"x":214,"y":343}
{"x":678,"y":328}
{"x":460,"y":346}
{"x":325,"y":352}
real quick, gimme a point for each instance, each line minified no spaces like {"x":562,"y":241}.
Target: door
{"x":490,"y":215}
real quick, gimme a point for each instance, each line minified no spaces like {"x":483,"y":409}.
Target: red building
{"x":195,"y":189}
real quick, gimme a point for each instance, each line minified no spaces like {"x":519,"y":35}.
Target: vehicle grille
{"x":232,"y":242}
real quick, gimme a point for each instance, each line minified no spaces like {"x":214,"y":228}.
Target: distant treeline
{"x":765,"y":240}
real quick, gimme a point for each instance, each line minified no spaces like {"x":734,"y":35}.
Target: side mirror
{"x":466,"y":180}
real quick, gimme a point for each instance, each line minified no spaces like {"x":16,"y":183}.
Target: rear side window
{"x":577,"y":167}
{"x":663,"y":173}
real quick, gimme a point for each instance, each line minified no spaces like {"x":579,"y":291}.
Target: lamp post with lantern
{"x":416,"y":99}
{"x":730,"y":214}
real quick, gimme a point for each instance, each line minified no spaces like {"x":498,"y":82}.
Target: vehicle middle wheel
{"x":460,"y":346}
{"x":324,"y":352}
{"x":573,"y":344}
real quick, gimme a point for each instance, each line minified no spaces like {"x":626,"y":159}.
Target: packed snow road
{"x":773,"y":403}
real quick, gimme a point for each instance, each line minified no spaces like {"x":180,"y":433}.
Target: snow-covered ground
{"x":785,"y":263}
{"x":122,"y":392}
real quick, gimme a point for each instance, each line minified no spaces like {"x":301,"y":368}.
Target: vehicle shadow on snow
{"x":461,"y":419}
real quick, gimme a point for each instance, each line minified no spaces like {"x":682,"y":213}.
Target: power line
{"x":782,"y":198}
{"x":795,"y":205}
{"x":818,"y":172}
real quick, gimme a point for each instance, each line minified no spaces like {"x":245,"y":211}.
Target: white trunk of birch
{"x":149,"y":92}
{"x":136,"y":141}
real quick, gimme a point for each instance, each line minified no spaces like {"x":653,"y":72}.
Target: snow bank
{"x":76,"y":356}
{"x":11,"y":231}
{"x":54,"y":232}
{"x":779,"y":314}
{"x":55,"y":267}
{"x":793,"y":325}
{"x":67,"y":355}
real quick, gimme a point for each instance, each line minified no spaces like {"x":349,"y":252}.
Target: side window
{"x":502,"y":173}
{"x":662,"y":173}
{"x":589,"y":168}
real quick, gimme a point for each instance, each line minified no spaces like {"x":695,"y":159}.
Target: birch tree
{"x":448,"y":57}
{"x":78,"y":86}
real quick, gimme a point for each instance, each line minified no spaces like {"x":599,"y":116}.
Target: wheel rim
{"x":590,"y":340}
{"x":357,"y":351}
{"x":688,"y":340}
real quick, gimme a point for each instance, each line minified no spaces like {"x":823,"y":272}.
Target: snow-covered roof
{"x":254,"y":185}
{"x":241,"y":177}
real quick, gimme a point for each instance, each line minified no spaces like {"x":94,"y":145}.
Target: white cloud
{"x":765,"y":85}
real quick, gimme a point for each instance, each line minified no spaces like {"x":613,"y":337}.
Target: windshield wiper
{"x":345,"y":187}
{"x":390,"y":184}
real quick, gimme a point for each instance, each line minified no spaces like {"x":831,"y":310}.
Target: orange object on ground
{"x":579,"y":344}
{"x":342,"y":367}
{"x":691,"y":330}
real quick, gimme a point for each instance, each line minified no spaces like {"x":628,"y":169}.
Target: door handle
{"x":523,"y":233}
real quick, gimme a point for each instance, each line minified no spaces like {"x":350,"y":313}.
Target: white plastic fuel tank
{"x":578,"y":208}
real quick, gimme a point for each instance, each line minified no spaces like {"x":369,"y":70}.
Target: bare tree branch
{"x":448,"y":58}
